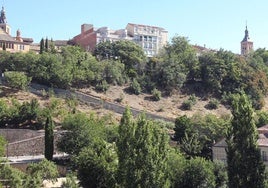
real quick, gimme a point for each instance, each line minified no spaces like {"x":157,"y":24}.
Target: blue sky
{"x":214,"y":23}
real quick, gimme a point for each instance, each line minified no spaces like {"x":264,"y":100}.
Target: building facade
{"x":150,"y":38}
{"x":219,"y":149}
{"x":246,"y":44}
{"x":9,"y":43}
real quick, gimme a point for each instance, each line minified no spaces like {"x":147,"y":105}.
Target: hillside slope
{"x":167,"y":106}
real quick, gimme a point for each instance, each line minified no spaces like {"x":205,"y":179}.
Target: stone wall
{"x":24,"y":142}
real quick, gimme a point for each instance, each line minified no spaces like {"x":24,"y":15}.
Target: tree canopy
{"x":245,"y":166}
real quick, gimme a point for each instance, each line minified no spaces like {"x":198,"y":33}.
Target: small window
{"x":264,"y":156}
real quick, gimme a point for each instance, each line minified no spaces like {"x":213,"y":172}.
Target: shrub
{"x":212,"y":104}
{"x":193,"y":99}
{"x":156,"y":94}
{"x":261,"y":118}
{"x":189,"y":103}
{"x":135,"y":87}
{"x":103,"y":86}
{"x":120,"y":98}
{"x":17,"y":80}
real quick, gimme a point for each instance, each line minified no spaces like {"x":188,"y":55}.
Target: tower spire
{"x":3,"y":16}
{"x":246,"y":44}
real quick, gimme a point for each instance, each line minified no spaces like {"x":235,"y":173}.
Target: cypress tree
{"x":49,"y":138}
{"x":245,"y":166}
{"x":46,"y":45}
{"x":42,"y":46}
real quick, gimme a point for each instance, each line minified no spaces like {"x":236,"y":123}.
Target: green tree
{"x":42,"y":46}
{"x":124,"y":146}
{"x":130,"y":54}
{"x":142,"y":153}
{"x":46,"y":45}
{"x":81,"y":130}
{"x":104,"y":50}
{"x":96,"y":165}
{"x":182,"y":124}
{"x":245,"y":167}
{"x":179,"y":52}
{"x":212,"y":71}
{"x":49,"y":138}
{"x":198,"y":173}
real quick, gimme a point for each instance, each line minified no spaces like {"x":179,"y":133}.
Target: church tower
{"x":3,"y":22}
{"x":246,"y":44}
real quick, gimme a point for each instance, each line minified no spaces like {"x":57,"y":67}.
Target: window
{"x":264,"y":156}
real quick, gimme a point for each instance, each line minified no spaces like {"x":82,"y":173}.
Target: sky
{"x":212,"y":23}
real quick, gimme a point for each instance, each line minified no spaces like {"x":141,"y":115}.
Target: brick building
{"x":150,"y":38}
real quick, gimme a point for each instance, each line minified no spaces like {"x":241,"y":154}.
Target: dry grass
{"x":167,"y":106}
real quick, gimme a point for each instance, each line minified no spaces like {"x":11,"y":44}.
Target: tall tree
{"x":46,"y":45}
{"x":245,"y":167}
{"x":49,"y":138}
{"x":142,"y":152}
{"x":97,"y":164}
{"x":42,"y":46}
{"x":124,"y":144}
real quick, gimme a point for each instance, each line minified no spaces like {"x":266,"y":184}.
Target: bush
{"x":212,"y":104}
{"x":135,"y":87}
{"x":17,"y":80}
{"x":156,"y":94}
{"x":193,"y":99}
{"x":103,"y":86}
{"x":261,"y":118}
{"x":189,"y":103}
{"x":121,"y":98}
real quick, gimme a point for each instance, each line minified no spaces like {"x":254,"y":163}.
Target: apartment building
{"x":219,"y":149}
{"x":150,"y":38}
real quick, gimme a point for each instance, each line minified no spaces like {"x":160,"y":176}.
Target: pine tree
{"x":245,"y":167}
{"x":49,"y":138}
{"x":42,"y":46}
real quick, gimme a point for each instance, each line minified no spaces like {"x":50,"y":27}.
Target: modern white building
{"x":150,"y":38}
